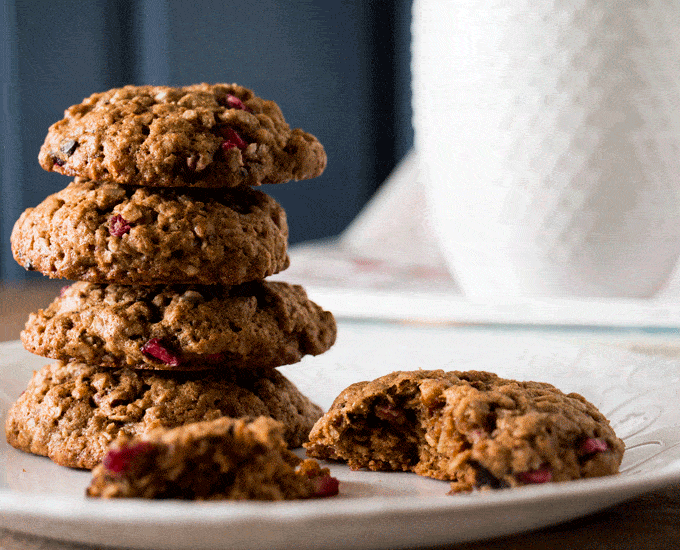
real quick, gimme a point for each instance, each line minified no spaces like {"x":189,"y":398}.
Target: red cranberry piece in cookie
{"x":234,"y":102}
{"x":118,"y":226}
{"x":532,"y":477}
{"x":593,"y":445}
{"x":326,"y":486}
{"x":232,"y":140}
{"x":154,"y":348}
{"x":120,"y":461}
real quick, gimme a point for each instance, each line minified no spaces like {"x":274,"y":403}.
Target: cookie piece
{"x":108,"y":233}
{"x":255,"y":326}
{"x":472,"y":428}
{"x":203,"y":135}
{"x":223,"y":459}
{"x":71,"y":412}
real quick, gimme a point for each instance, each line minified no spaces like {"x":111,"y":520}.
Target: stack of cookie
{"x":171,"y":319}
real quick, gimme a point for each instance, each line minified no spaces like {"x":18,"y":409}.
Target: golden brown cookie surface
{"x":72,"y":412}
{"x":108,"y":233}
{"x":203,"y":135}
{"x":256,"y":326}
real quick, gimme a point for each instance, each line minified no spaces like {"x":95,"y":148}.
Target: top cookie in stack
{"x":170,"y":246}
{"x":203,"y":135}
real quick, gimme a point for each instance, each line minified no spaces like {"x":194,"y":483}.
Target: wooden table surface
{"x":648,"y":522}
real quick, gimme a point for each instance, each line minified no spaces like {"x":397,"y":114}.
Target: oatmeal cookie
{"x":108,"y":233}
{"x":223,"y":459}
{"x":71,"y":412}
{"x":219,"y":135}
{"x":254,"y":326}
{"x":472,"y":428}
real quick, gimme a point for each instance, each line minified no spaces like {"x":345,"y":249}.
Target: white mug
{"x":549,"y":140}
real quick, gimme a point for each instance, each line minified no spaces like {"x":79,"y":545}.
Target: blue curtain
{"x":337,"y":69}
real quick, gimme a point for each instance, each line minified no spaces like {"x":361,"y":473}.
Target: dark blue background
{"x":338,"y":69}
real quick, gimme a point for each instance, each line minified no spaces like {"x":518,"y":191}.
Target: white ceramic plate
{"x":374,"y":510}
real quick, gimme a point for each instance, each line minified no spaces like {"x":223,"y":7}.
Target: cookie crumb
{"x":223,"y":459}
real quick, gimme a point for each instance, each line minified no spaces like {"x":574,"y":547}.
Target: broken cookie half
{"x":472,"y":428}
{"x":223,"y":459}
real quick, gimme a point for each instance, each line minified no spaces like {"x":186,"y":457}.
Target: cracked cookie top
{"x":110,"y":233}
{"x":255,"y":326}
{"x":71,"y":412}
{"x":203,"y":135}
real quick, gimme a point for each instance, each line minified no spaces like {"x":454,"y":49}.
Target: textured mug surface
{"x":549,"y":139}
